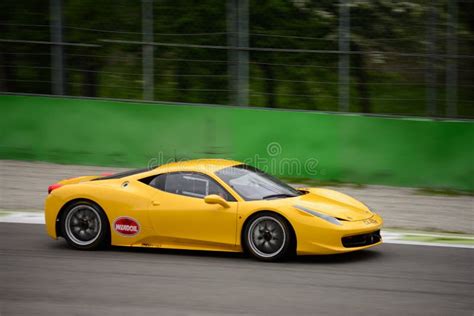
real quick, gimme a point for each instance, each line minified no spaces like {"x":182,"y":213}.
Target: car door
{"x":181,"y":218}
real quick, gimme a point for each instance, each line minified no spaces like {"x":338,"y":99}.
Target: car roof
{"x":202,"y":165}
{"x":197,"y":165}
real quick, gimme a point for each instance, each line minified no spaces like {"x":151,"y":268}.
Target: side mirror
{"x":216,"y":199}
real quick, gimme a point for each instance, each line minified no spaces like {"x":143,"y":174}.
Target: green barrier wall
{"x":328,"y":147}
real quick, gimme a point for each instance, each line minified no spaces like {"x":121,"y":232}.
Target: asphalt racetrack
{"x":40,"y":276}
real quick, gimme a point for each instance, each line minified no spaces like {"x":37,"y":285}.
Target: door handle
{"x":155,"y":203}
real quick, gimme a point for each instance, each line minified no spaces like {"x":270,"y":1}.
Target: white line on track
{"x":398,"y":238}
{"x":22,"y":217}
{"x":420,"y":243}
{"x":389,"y":237}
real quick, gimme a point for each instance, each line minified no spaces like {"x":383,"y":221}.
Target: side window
{"x":190,"y":184}
{"x":187,"y":184}
{"x":158,"y":182}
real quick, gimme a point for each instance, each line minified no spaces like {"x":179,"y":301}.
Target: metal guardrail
{"x":237,"y":68}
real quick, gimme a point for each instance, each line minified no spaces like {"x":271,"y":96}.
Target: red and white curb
{"x":389,"y":237}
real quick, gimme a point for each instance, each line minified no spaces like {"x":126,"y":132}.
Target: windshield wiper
{"x":277,"y":196}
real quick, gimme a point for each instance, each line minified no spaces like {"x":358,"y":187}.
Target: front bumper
{"x":332,"y":239}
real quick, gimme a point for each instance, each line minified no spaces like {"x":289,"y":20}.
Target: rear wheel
{"x":84,"y":226}
{"x":268,"y":237}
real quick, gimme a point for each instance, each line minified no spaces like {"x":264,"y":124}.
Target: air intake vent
{"x":361,"y":240}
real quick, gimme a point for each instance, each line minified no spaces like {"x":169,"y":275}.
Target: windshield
{"x":253,"y":184}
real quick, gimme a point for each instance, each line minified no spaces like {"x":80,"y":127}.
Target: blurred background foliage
{"x":382,"y":82}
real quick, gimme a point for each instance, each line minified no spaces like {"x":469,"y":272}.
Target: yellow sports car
{"x":208,"y":204}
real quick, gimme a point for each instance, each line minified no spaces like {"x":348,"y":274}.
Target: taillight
{"x":54,"y":187}
{"x":106,"y":174}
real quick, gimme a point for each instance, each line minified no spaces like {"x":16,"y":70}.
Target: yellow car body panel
{"x":168,"y":220}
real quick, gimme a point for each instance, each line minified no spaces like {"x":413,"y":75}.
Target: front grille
{"x":361,"y":240}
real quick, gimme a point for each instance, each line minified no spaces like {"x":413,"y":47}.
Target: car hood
{"x":332,"y":203}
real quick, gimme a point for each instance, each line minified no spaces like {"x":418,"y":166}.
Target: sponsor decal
{"x":126,"y":226}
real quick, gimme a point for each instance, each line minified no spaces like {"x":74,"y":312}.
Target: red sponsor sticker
{"x":126,"y":226}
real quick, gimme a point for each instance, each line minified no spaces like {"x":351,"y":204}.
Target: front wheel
{"x":268,"y":237}
{"x":84,"y":226}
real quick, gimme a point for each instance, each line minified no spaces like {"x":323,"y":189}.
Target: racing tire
{"x":267,"y":237}
{"x":84,"y":225}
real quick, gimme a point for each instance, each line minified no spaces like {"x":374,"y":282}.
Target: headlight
{"x":327,"y":218}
